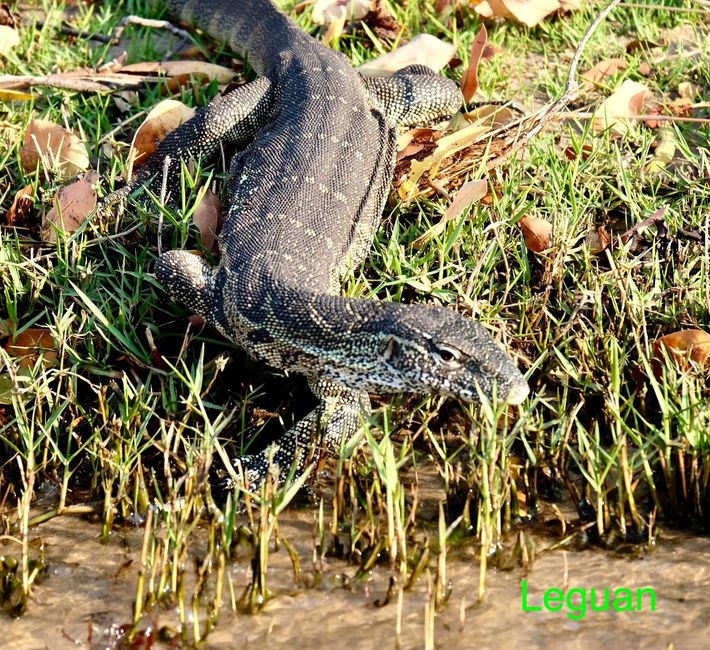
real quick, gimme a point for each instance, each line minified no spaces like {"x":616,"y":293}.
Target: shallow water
{"x":90,"y":588}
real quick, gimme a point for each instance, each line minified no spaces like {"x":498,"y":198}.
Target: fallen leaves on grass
{"x":527,"y":12}
{"x":684,"y":346}
{"x":163,"y":118}
{"x":30,"y":344}
{"x":423,"y":49}
{"x":72,"y":205}
{"x":537,"y":233}
{"x":445,"y":147}
{"x":182,"y":70}
{"x":326,"y":12}
{"x":602,"y":71}
{"x":664,"y":152}
{"x":618,"y":111}
{"x":54,"y":148}
{"x":469,"y":193}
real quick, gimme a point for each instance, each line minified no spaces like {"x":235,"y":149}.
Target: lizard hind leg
{"x":189,"y":280}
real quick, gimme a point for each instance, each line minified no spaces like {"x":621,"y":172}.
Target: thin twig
{"x":148,"y":22}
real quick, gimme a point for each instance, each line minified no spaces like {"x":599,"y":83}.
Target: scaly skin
{"x":306,"y":194}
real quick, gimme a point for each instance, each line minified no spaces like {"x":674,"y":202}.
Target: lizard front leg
{"x":189,"y":280}
{"x":324,"y":430}
{"x":232,"y":118}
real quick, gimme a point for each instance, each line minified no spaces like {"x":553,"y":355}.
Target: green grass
{"x":109,"y":427}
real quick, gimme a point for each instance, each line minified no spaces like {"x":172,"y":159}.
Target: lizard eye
{"x":450,"y":356}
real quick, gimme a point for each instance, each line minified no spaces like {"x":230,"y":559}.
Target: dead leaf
{"x":208,"y":219}
{"x":469,"y":81}
{"x":445,"y":147}
{"x":656,"y":218}
{"x":20,"y":206}
{"x":72,"y":205}
{"x":6,"y":17}
{"x":618,"y":111}
{"x":690,"y":344}
{"x":537,"y":233}
{"x":572,"y":154}
{"x":29,"y":344}
{"x":664,"y":153}
{"x":491,"y":50}
{"x":9,"y":39}
{"x":165,"y":117}
{"x":527,"y":12}
{"x":9,"y":95}
{"x":603,"y":70}
{"x":55,"y":148}
{"x":468,"y":193}
{"x":326,"y":12}
{"x":184,"y":69}
{"x":423,"y":49}
{"x":644,"y":69}
{"x":598,"y":240}
{"x":126,"y":100}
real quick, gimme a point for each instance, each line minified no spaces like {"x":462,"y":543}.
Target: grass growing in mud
{"x":124,"y":405}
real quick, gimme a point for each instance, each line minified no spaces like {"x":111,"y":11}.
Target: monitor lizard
{"x":316,"y":151}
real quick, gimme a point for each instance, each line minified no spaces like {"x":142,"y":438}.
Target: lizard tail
{"x":255,"y":29}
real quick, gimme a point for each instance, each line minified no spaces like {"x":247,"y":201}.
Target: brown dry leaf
{"x":693,"y":344}
{"x":603,"y":70}
{"x":29,"y":344}
{"x":9,"y":95}
{"x":382,"y":23}
{"x":423,"y":49}
{"x":527,"y":12}
{"x":586,"y":151}
{"x":469,"y":81}
{"x":537,"y":233}
{"x":72,"y":205}
{"x":617,"y":112}
{"x":491,"y":50}
{"x":468,"y":193}
{"x":445,"y":147}
{"x":9,"y":39}
{"x":57,"y":149}
{"x":326,"y":12}
{"x":165,"y":117}
{"x":20,"y":206}
{"x":208,"y":219}
{"x":598,"y":240}
{"x":182,"y":69}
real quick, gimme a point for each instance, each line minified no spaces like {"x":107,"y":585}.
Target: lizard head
{"x":435,"y":350}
